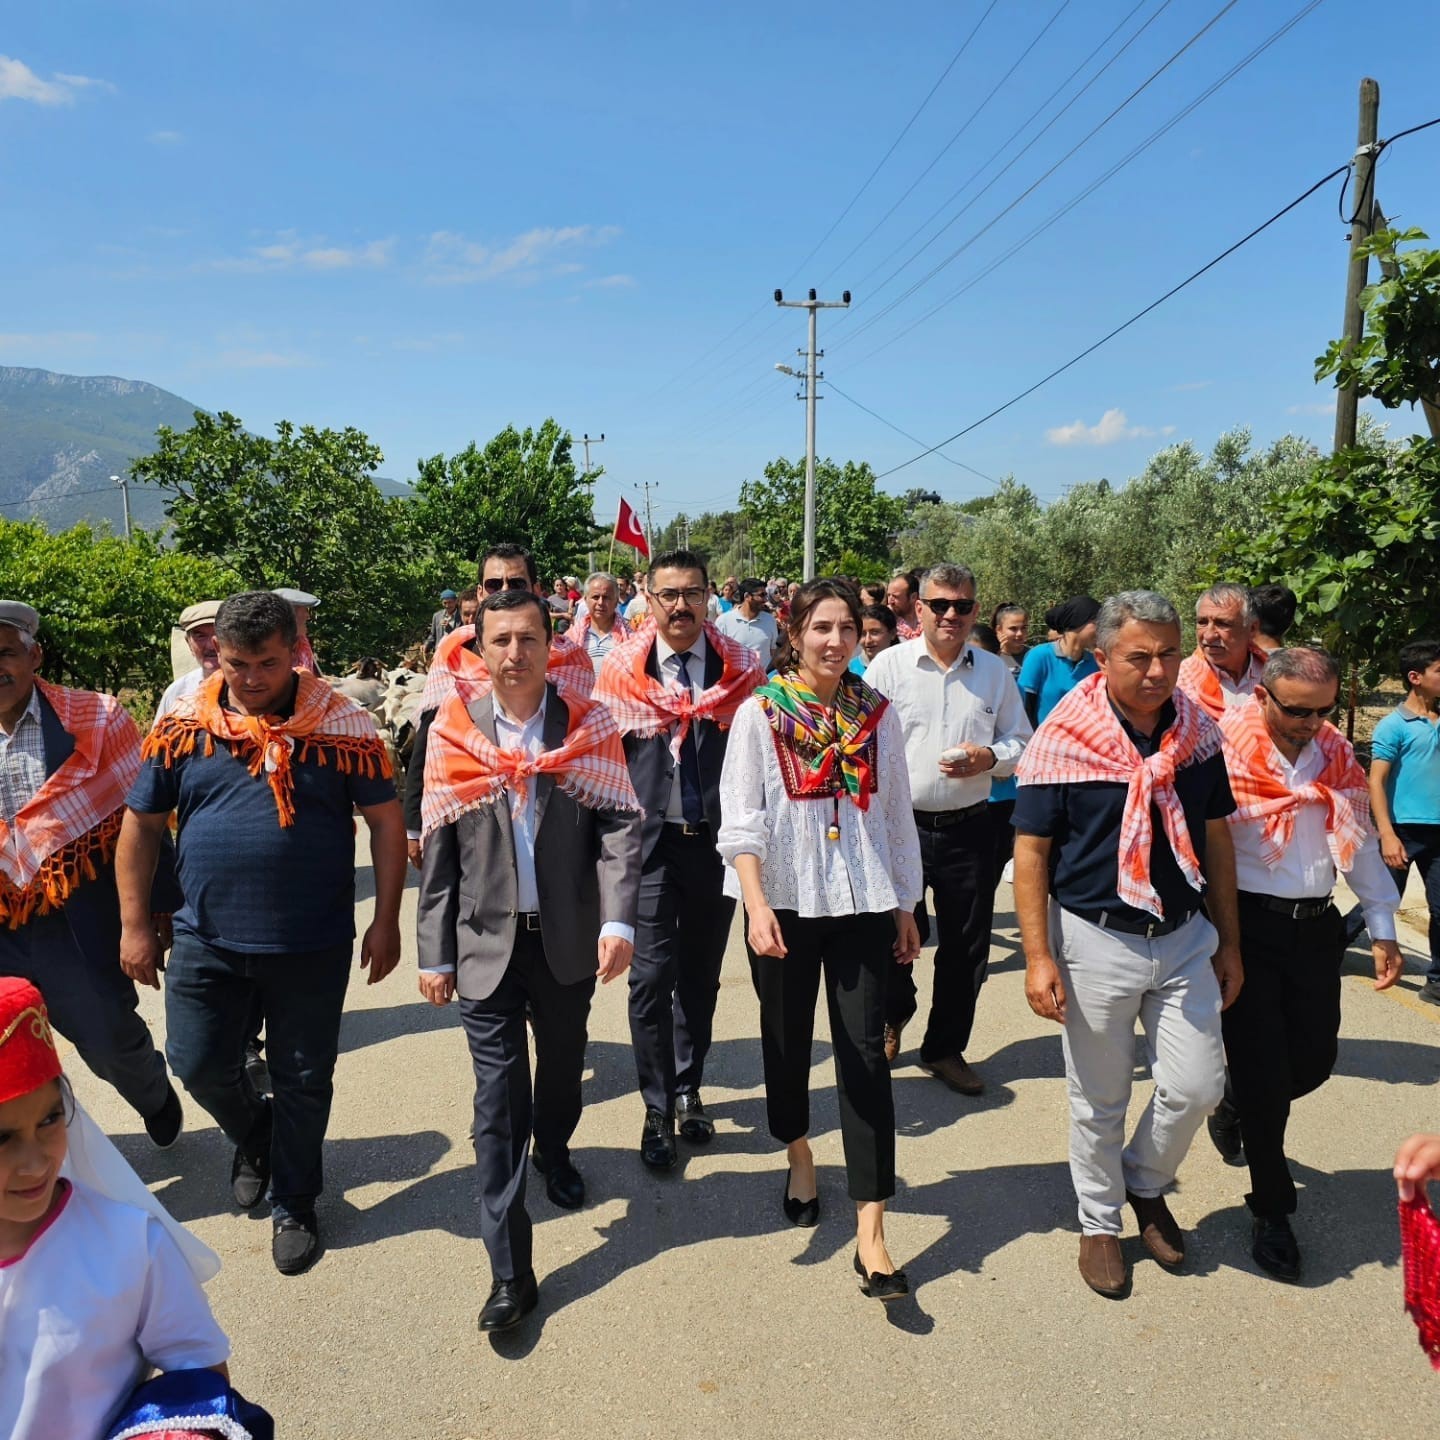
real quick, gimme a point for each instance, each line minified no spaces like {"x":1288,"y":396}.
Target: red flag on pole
{"x":628,"y":531}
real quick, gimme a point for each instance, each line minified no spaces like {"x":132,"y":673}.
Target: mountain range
{"x":62,"y":437}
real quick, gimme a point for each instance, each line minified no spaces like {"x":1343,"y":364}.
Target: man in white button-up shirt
{"x":964,"y":724}
{"x":1281,"y":1032}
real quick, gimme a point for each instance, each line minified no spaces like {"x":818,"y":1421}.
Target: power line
{"x":1138,"y":315}
{"x":890,"y":424}
{"x":67,"y":495}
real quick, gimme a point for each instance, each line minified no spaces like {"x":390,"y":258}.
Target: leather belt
{"x":1124,"y":925}
{"x":685,"y":828}
{"x":527,"y":920}
{"x":943,"y":819}
{"x":1290,"y":909}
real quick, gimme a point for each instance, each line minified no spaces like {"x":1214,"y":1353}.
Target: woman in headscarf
{"x":1051,"y":671}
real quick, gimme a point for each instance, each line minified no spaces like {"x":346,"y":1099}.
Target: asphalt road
{"x":685,"y":1305}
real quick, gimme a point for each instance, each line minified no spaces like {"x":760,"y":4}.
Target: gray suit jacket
{"x":587,"y":870}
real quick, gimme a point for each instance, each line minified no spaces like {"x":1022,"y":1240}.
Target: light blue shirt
{"x":1052,"y":676}
{"x":1410,"y":743}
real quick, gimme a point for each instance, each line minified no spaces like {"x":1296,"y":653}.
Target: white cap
{"x":22,"y":616}
{"x":297,"y":597}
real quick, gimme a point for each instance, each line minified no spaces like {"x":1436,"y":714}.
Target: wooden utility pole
{"x":1362,"y":208}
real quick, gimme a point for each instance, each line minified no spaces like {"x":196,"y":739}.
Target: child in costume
{"x":98,"y":1284}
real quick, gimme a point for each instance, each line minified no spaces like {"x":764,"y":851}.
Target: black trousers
{"x":680,"y":934}
{"x":958,"y":865}
{"x":854,"y":954}
{"x":1002,"y":825}
{"x":505,"y":1114}
{"x":1281,"y":1036}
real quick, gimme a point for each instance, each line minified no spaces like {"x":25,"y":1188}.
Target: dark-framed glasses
{"x":1305,"y":712}
{"x":492,"y":586}
{"x":941,"y":608}
{"x":691,"y":596}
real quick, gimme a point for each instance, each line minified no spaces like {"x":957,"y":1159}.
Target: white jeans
{"x":1169,"y":983}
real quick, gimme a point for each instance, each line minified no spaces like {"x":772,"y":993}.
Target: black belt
{"x":689,"y":831}
{"x":1124,"y":925}
{"x":527,"y":920}
{"x":942,"y":819}
{"x":1290,"y":909}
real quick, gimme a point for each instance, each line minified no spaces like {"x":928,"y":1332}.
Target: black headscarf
{"x":1074,"y":614}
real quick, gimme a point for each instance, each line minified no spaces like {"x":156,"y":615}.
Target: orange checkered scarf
{"x":645,"y":706}
{"x":326,"y":725}
{"x":67,"y":829}
{"x":1258,"y":784}
{"x":465,"y":769}
{"x":459,"y":670}
{"x":1082,"y":740}
{"x":1199,"y":680}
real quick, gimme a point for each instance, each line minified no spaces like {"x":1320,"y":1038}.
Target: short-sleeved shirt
{"x":1052,"y":676}
{"x":1410,"y":744}
{"x":249,"y":884}
{"x":1083,"y":821}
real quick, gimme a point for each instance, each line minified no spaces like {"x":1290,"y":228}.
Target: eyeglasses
{"x":515,"y":582}
{"x":1304,"y":712}
{"x":670,"y":599}
{"x":941,"y":608}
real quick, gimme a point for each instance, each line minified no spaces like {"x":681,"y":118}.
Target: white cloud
{"x":1312,"y":407}
{"x":165,"y":137}
{"x":261,"y":360}
{"x":1111,"y":428}
{"x":451,"y":259}
{"x":289,"y":252}
{"x":612,"y":282}
{"x":47,"y":340}
{"x":19,"y":82}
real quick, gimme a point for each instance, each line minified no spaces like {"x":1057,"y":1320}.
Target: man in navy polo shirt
{"x":264,"y":767}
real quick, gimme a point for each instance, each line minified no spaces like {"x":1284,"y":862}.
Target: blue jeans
{"x":208,"y":998}
{"x":1422,"y":845}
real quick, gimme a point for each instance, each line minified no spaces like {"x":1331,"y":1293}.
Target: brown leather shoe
{"x":892,"y":1041}
{"x":1103,"y":1267}
{"x":953,"y":1070}
{"x":1163,"y":1238}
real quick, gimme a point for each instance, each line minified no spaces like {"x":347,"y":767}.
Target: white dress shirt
{"x":972,"y":701}
{"x":1305,"y":870}
{"x":667,"y":661}
{"x":873,"y":867}
{"x":1237,"y":692}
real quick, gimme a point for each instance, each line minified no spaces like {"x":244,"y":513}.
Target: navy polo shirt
{"x":1083,"y":822}
{"x":250,"y":885}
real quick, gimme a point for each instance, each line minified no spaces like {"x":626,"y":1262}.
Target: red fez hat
{"x":28,"y":1058}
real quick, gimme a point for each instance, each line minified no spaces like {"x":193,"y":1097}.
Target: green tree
{"x":854,"y":521}
{"x":300,"y":509}
{"x":523,"y":487}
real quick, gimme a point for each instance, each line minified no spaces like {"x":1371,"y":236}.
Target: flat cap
{"x":297,"y":597}
{"x":21,"y":616}
{"x":448,"y":595}
{"x":201,"y":613}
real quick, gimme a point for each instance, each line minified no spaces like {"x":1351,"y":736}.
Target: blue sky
{"x":432,"y":220}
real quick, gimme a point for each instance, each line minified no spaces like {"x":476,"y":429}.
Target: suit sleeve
{"x":415,"y":775}
{"x":438,"y":905}
{"x":619,"y":866}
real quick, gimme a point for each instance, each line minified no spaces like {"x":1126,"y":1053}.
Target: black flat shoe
{"x":1225,"y":1133}
{"x":1273,"y":1247}
{"x":805,"y":1213}
{"x":695,"y":1125}
{"x":509,"y":1303}
{"x":657,"y":1140}
{"x":882,"y":1287}
{"x":563,"y":1182}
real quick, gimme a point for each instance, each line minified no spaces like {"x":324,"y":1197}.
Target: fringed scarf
{"x":1258,"y":784}
{"x":1082,"y":740}
{"x":836,"y":746}
{"x":66,"y":831}
{"x":1201,"y":682}
{"x":465,"y":769}
{"x":326,"y":727}
{"x":459,"y":670}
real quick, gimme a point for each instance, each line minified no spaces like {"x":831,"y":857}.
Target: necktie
{"x":692,"y":798}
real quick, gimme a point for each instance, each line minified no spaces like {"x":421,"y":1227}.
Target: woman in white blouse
{"x":820,"y":842}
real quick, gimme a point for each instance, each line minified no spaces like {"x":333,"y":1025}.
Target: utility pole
{"x":648,"y":486}
{"x":123,"y":481}
{"x":1362,"y":226}
{"x":811,"y":376}
{"x":587,"y":442}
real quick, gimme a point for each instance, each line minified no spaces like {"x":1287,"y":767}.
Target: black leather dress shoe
{"x":882,"y":1287}
{"x":509,"y":1303}
{"x":657,"y":1140}
{"x":563,"y":1182}
{"x":695,"y":1125}
{"x":164,"y":1126}
{"x":1272,"y":1244}
{"x":1224,"y":1128}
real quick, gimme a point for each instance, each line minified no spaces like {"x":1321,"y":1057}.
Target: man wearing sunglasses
{"x":1303,"y":813}
{"x":964,"y":725}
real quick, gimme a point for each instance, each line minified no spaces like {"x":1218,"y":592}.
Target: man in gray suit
{"x":528,"y":890}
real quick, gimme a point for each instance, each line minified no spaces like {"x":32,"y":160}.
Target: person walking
{"x":1120,"y":833}
{"x":1011,"y":624}
{"x":444,"y":620}
{"x":599,"y":629}
{"x":198,"y":623}
{"x":1052,"y":670}
{"x":673,"y":690}
{"x":750,"y":622}
{"x":819,"y":843}
{"x":900,"y":596}
{"x":877,"y":633}
{"x":1303,"y":814}
{"x":1228,"y":659}
{"x":528,"y":889}
{"x":964,"y":727}
{"x":264,"y":766}
{"x":1274,"y":609}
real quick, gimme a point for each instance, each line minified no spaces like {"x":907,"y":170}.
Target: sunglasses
{"x":1305,"y":712}
{"x":492,"y":586}
{"x":941,"y":608}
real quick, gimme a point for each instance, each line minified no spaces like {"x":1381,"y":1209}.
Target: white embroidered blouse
{"x":875,"y":864}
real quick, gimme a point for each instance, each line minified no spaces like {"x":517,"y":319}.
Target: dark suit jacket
{"x":652,"y":769}
{"x":587,"y":872}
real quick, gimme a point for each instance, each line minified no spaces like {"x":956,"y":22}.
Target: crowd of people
{"x":600,"y":772}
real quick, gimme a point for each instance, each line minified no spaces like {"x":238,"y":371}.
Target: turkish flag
{"x":628,"y":531}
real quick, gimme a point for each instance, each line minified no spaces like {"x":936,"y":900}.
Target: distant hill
{"x":63,"y":436}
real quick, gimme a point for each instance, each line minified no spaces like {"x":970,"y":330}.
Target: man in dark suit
{"x":59,"y":911}
{"x":684,"y":918}
{"x":527,"y":895}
